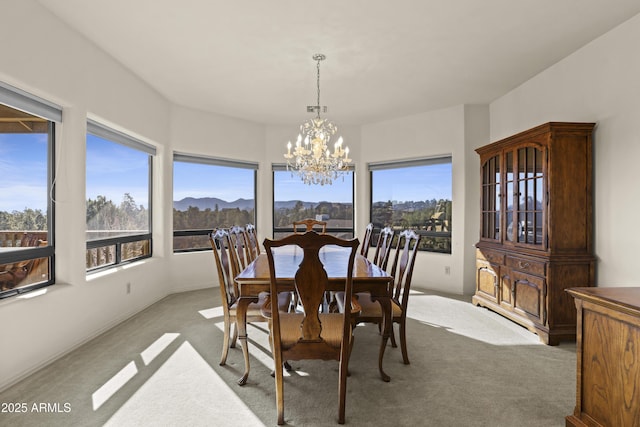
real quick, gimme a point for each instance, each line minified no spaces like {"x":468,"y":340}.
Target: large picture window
{"x":210,"y":193}
{"x":414,"y":194}
{"x":27,"y":130}
{"x":118,"y":194}
{"x":294,"y":200}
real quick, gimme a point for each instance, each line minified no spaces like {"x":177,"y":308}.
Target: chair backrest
{"x":28,"y":240}
{"x":226,"y":265}
{"x":309,"y":224}
{"x":252,"y":241}
{"x":311,"y":283}
{"x":402,"y":269}
{"x":366,"y":240}
{"x":239,"y":242}
{"x":383,"y":248}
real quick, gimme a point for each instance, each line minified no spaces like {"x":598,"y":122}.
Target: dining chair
{"x":311,"y":334}
{"x":252,"y":241}
{"x":18,"y":272}
{"x":366,"y":240}
{"x":383,"y":248}
{"x":238,"y":238}
{"x":380,"y":256}
{"x":401,"y":271}
{"x":309,"y":224}
{"x":228,"y":268}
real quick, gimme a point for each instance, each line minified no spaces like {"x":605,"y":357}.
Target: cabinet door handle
{"x":523,"y":265}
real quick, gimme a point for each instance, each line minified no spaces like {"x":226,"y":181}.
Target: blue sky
{"x":413,"y":183}
{"x":23,"y":172}
{"x":198,"y":180}
{"x":400,"y":184}
{"x":288,"y":187}
{"x":113,"y":170}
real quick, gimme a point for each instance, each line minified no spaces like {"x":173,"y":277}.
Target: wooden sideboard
{"x":608,"y":357}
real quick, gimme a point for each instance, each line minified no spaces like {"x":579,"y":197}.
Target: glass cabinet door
{"x":491,"y":199}
{"x":509,"y":200}
{"x":529,"y":198}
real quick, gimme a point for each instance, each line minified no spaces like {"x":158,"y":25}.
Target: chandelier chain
{"x":318,"y":85}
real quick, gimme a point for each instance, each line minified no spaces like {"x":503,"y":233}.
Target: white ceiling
{"x":251,"y":59}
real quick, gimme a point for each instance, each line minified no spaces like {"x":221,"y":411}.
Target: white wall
{"x":200,"y":133}
{"x":599,"y":83}
{"x":49,"y":61}
{"x":432,"y":134}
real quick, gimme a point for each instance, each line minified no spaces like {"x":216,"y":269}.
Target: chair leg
{"x":403,"y":342}
{"x":350,"y":350}
{"x":285,"y":364}
{"x":235,"y":335}
{"x":342,"y":385}
{"x":279,"y":387}
{"x":225,"y":341}
{"x":393,"y":336}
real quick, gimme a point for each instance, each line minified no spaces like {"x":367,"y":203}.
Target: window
{"x":210,"y":193}
{"x":294,"y":200}
{"x":118,"y":196}
{"x":27,"y":130}
{"x":414,"y":194}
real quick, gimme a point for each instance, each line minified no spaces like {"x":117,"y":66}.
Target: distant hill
{"x":203,"y":203}
{"x":290,"y":204}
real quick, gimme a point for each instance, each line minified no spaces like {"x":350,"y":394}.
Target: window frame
{"x":212,"y":161}
{"x":31,"y":104}
{"x":109,"y":134}
{"x":280,"y":167}
{"x":397,"y":164}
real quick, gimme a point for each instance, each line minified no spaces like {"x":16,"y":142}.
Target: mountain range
{"x":203,"y":203}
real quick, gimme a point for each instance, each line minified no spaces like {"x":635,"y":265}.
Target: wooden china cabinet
{"x":536,"y":227}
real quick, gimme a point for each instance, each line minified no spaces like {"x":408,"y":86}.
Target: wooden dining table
{"x":367,"y":277}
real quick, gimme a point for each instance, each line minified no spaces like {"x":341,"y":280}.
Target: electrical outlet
{"x":447,"y":270}
{"x":128,"y":287}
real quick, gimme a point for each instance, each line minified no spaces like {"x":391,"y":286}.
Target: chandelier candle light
{"x":311,"y":158}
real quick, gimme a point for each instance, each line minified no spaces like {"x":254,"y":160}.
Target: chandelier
{"x":311,"y":158}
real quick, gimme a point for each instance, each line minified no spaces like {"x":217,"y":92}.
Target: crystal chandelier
{"x":311,"y":159}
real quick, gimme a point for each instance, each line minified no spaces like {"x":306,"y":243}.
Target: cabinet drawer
{"x":526,"y":265}
{"x":490,"y":256}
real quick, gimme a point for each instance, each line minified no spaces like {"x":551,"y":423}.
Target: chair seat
{"x":370,"y":308}
{"x":291,"y":324}
{"x":256,"y":309}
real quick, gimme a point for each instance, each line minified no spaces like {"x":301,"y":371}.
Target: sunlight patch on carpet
{"x":465,"y":319}
{"x":157,"y":347}
{"x":210,"y":313}
{"x":184,"y":391}
{"x":112,"y":386}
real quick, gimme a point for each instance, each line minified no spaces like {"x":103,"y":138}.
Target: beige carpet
{"x":469,"y":367}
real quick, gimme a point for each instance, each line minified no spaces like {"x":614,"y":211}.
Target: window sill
{"x":38,"y":293}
